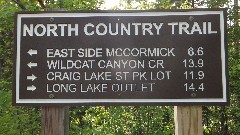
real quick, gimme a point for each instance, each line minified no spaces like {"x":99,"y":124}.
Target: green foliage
{"x":216,"y":3}
{"x":17,"y":120}
{"x":128,"y":120}
{"x":74,"y":4}
{"x":111,"y":120}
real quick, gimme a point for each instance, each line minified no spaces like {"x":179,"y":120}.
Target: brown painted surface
{"x":54,"y":120}
{"x":150,"y":83}
{"x":188,"y":120}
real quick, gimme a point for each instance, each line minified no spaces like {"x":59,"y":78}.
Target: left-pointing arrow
{"x":31,"y":64}
{"x":31,"y":88}
{"x":32,"y":77}
{"x":32,"y":52}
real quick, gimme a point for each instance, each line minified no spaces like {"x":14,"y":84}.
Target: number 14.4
{"x":194,"y":87}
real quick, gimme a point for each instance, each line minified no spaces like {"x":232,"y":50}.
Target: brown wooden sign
{"x":121,"y":58}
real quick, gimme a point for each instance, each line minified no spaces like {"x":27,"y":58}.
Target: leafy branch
{"x":41,"y":3}
{"x":20,"y":4}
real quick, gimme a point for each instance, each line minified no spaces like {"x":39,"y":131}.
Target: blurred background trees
{"x":116,"y":120}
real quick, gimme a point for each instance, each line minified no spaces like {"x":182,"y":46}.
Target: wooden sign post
{"x":188,"y":120}
{"x":55,"y":120}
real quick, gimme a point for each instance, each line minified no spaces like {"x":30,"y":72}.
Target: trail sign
{"x":121,"y":57}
